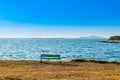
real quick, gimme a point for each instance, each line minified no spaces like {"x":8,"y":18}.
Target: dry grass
{"x":34,"y":70}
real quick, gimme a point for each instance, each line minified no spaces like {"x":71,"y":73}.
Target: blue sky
{"x":59,"y":18}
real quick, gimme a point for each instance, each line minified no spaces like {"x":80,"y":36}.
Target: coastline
{"x":77,"y":69}
{"x":111,"y":41}
{"x":114,"y":41}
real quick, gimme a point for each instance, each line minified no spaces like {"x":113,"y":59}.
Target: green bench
{"x":50,"y":56}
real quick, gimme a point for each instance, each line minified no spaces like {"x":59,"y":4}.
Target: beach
{"x":55,"y":70}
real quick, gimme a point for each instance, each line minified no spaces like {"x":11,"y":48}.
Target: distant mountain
{"x":92,"y":37}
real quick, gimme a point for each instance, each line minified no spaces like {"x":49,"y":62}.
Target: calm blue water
{"x":30,"y":49}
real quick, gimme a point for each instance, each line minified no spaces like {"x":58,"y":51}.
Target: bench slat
{"x":50,"y":56}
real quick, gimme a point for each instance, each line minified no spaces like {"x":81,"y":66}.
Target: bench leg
{"x":40,"y":60}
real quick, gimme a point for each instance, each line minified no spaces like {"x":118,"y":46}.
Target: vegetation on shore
{"x":114,"y":38}
{"x":76,"y":69}
{"x":94,"y":61}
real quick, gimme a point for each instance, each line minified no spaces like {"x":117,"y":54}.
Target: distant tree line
{"x":114,"y":38}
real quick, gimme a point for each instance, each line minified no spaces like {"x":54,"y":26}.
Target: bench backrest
{"x":50,"y":55}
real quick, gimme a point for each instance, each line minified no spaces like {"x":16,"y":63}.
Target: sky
{"x":59,"y":18}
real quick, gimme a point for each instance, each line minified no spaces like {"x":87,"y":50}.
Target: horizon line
{"x":59,"y":37}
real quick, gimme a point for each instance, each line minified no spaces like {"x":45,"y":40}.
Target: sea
{"x":68,"y":48}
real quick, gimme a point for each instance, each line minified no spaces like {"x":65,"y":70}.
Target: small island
{"x":114,"y":39}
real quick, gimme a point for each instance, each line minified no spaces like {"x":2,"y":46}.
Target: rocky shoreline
{"x":111,"y":41}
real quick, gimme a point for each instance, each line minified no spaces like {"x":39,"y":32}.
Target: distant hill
{"x":92,"y":37}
